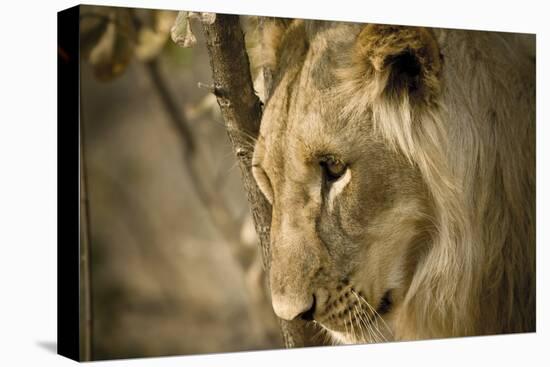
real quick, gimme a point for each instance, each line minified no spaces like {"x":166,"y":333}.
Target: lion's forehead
{"x":302,"y":116}
{"x":301,"y":120}
{"x":306,"y":77}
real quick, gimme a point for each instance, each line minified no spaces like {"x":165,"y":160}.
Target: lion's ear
{"x":399,"y":61}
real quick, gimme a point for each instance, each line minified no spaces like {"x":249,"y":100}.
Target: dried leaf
{"x":208,"y":18}
{"x":93,"y":24}
{"x":111,"y":41}
{"x":151,"y":40}
{"x":182,"y":35}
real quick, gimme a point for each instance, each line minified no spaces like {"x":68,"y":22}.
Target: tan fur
{"x":436,"y":211}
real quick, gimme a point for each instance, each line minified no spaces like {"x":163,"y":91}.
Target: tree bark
{"x":241,"y":110}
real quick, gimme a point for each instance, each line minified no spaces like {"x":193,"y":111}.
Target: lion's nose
{"x":290,"y":308}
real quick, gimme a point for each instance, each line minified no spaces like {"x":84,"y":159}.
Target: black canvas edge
{"x":68,"y":218}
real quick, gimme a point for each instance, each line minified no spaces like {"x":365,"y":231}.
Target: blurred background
{"x":174,"y":266}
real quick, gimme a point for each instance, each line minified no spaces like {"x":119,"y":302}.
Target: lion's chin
{"x":343,"y":338}
{"x":340,"y":337}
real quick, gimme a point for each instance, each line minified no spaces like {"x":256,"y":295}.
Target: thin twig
{"x":179,"y":122}
{"x":214,"y":203}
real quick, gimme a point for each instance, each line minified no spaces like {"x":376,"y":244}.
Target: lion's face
{"x":351,"y":214}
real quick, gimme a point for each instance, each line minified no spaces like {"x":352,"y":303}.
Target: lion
{"x":400,"y":165}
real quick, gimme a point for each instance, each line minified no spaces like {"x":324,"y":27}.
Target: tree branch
{"x":241,"y":110}
{"x":214,"y":203}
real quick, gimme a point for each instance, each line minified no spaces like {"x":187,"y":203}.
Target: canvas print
{"x":257,"y":183}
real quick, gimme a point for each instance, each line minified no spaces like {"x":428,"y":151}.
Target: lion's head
{"x":399,"y":163}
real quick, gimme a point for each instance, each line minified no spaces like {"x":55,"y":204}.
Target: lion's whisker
{"x":376,"y":314}
{"x":351,"y":327}
{"x":376,"y":317}
{"x":362,"y":324}
{"x":379,"y":336}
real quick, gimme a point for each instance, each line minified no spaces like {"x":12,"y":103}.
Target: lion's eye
{"x":333,"y":168}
